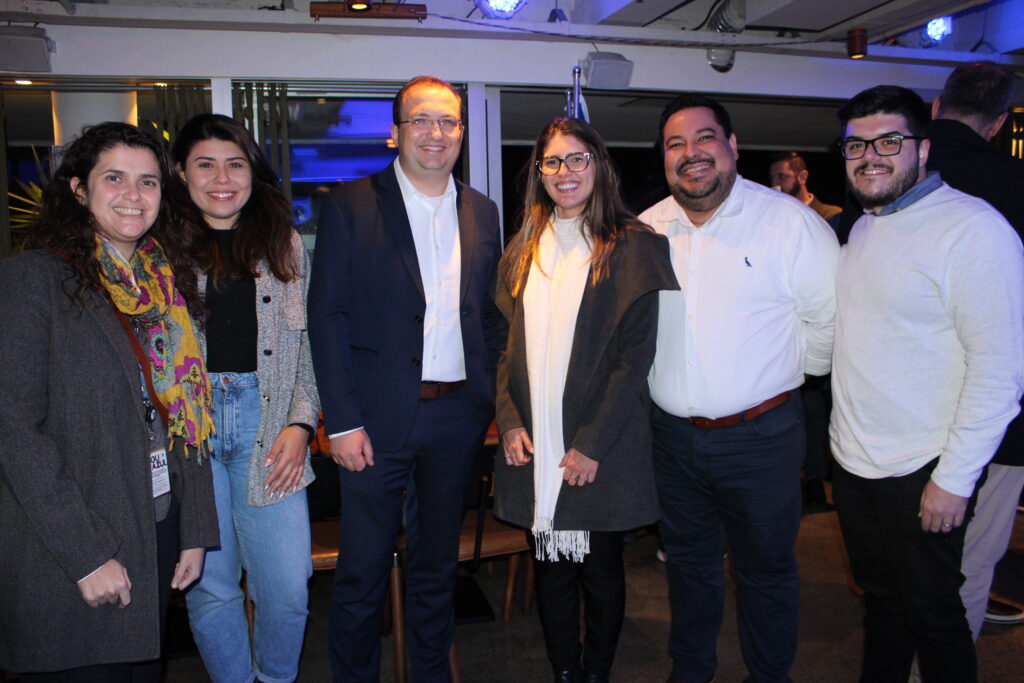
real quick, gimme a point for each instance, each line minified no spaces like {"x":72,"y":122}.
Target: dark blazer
{"x":969,"y":163}
{"x":366,"y":307}
{"x":75,"y":485}
{"x":606,"y":403}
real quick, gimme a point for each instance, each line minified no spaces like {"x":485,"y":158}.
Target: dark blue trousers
{"x":427,"y":478}
{"x":740,"y":483}
{"x":911,"y":580}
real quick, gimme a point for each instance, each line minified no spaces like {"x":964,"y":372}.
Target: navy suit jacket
{"x":366,"y":308}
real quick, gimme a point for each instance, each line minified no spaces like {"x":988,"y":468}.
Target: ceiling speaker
{"x":607,"y":71}
{"x":23,"y":48}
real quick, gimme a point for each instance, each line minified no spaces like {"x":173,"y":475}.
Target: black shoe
{"x":596,"y":678}
{"x":999,"y":612}
{"x":565,"y":676}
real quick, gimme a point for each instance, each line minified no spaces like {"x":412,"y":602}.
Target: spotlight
{"x":857,"y":43}
{"x":938,"y":29}
{"x":363,"y":6}
{"x":499,"y":9}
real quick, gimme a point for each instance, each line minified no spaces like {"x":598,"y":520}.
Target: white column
{"x":72,"y":111}
{"x":220,"y":96}
{"x":494,"y":174}
{"x":483,"y":111}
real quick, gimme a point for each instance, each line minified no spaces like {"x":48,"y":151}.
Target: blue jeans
{"x":271,"y":543}
{"x":741,"y":483}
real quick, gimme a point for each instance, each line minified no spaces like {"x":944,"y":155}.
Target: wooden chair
{"x":324,"y":537}
{"x":484,"y":537}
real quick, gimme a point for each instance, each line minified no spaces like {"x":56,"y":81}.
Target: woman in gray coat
{"x":579,"y":286}
{"x":254,"y":271}
{"x":104,"y":418}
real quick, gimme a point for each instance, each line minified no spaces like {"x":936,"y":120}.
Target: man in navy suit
{"x":404,"y":335}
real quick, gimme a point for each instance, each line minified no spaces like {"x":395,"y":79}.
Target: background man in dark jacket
{"x":966,"y":116}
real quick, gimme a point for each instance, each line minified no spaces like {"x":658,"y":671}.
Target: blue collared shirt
{"x":920,"y":190}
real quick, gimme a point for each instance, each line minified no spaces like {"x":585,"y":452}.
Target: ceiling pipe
{"x":729,"y":17}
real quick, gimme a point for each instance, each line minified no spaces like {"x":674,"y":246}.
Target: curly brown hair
{"x":66,"y":227}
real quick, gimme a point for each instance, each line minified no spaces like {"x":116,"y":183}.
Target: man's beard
{"x":901,"y":182}
{"x":793,"y":191}
{"x":707,"y":197}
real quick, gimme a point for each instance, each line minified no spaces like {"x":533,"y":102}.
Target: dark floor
{"x":830,"y":625}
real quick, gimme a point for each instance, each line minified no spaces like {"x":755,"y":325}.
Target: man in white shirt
{"x":927,"y":373}
{"x":404,"y":335}
{"x":755,"y":313}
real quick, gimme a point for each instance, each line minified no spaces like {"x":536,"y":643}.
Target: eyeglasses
{"x":423,"y":124}
{"x":576,"y":162}
{"x":885,"y":146}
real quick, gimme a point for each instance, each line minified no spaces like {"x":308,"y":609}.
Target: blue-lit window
{"x":334,"y":140}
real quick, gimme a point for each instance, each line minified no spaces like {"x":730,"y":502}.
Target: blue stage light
{"x":939,"y":29}
{"x":499,"y":9}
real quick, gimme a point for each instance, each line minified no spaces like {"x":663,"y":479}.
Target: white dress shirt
{"x":757,"y":305}
{"x":435,"y":231}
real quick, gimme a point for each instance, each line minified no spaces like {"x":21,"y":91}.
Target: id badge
{"x":161,"y":475}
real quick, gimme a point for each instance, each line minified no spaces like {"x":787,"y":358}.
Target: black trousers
{"x":602,"y":581}
{"x":816,"y":399}
{"x":911,"y":580}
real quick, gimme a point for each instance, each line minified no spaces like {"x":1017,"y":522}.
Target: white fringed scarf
{"x":551,"y":302}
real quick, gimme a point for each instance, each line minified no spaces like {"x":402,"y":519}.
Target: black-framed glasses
{"x":423,"y":124}
{"x":575,"y":162}
{"x":885,"y":145}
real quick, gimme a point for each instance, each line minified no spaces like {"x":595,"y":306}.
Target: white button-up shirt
{"x":435,"y":231}
{"x":757,"y":305}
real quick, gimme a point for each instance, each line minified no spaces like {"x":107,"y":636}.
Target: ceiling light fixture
{"x":372,"y":10}
{"x":499,"y":9}
{"x":939,"y":28}
{"x":22,"y":82}
{"x":857,"y":43}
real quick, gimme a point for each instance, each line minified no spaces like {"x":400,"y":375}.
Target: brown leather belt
{"x":746,"y":416}
{"x":430,"y":390}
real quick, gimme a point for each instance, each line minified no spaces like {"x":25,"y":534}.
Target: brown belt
{"x":746,"y":416}
{"x":429,"y":390}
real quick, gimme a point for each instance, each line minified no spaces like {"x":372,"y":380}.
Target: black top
{"x":971,"y":164}
{"x":231,"y":331}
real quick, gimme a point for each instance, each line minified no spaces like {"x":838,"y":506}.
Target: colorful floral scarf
{"x":143,"y":289}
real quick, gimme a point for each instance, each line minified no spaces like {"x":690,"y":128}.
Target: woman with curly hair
{"x":105,"y":488}
{"x":254,"y":270}
{"x":578,"y":285}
